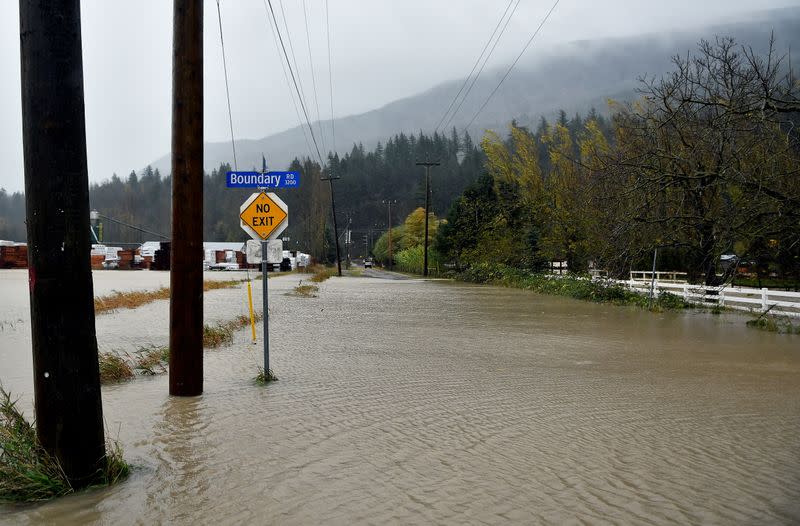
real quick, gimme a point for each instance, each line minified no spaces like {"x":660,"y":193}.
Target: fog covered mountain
{"x":573,"y":77}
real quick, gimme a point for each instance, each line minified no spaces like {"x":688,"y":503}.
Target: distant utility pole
{"x":348,"y":238}
{"x":186,"y":276}
{"x":389,"y":203}
{"x":66,"y":376}
{"x":427,"y":165}
{"x":330,"y":180}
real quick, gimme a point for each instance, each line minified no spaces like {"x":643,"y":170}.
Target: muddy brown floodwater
{"x":435,"y":402}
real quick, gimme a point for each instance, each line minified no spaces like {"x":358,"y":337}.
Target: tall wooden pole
{"x":330,"y":180}
{"x":186,"y":276}
{"x":427,"y":165}
{"x":391,"y":256}
{"x":66,"y":377}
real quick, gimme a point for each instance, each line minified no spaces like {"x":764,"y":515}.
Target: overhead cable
{"x":475,"y":79}
{"x":330,"y":77}
{"x":227,"y":87}
{"x":544,"y":20}
{"x":296,"y":87}
{"x":474,"y":66}
{"x":274,"y":31}
{"x":313,"y":76}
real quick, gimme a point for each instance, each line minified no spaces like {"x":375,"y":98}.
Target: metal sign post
{"x":264,"y":216}
{"x":264,"y":264}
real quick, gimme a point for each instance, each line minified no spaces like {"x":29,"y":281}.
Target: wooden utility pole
{"x":427,"y":165}
{"x":330,"y":180}
{"x":186,"y":276}
{"x":66,"y":377}
{"x":391,"y":257}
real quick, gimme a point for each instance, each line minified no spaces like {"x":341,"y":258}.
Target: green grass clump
{"x":114,"y":368}
{"x":263,"y":378}
{"x":27,"y":472}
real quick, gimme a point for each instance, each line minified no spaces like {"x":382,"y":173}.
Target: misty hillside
{"x":573,"y":77}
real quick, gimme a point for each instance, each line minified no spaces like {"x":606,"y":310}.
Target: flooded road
{"x":404,"y":401}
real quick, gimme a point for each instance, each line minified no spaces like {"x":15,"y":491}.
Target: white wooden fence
{"x":741,"y":298}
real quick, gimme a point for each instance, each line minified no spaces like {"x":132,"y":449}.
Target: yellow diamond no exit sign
{"x":264,"y":216}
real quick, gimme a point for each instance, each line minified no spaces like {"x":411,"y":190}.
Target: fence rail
{"x":740,"y":298}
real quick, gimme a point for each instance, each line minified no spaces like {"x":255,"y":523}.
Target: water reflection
{"x":180,"y":450}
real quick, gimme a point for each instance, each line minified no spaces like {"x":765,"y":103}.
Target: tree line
{"x":703,"y":164}
{"x":366,"y":181}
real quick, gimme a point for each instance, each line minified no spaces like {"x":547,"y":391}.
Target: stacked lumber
{"x":241,"y":259}
{"x":97,"y":261}
{"x":126,"y":259}
{"x":14,"y":256}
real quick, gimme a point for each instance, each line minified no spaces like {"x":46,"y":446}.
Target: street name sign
{"x":262,"y":179}
{"x":264,"y":216}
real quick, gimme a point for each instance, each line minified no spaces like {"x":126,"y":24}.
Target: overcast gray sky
{"x":382,"y":50}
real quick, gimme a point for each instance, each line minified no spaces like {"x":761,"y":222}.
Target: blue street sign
{"x":263,"y":179}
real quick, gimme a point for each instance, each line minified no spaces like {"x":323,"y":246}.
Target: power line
{"x":544,"y":20}
{"x":475,"y":79}
{"x":291,"y":48}
{"x":227,"y":87}
{"x":313,"y":76}
{"x":474,"y":66}
{"x":330,"y":76}
{"x":297,"y":89}
{"x":274,"y":30}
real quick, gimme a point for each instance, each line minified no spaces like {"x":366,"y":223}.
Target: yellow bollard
{"x":252,"y":316}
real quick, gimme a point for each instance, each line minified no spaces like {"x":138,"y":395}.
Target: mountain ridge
{"x":575,"y":77}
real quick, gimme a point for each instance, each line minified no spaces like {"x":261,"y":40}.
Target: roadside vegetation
{"x":133,"y":299}
{"x":320,"y":273}
{"x":701,"y":166}
{"x":306,"y":291}
{"x":114,"y":368}
{"x":263,"y":378}
{"x":569,"y":286}
{"x":773,"y":323}
{"x":28,"y":473}
{"x":153,"y":359}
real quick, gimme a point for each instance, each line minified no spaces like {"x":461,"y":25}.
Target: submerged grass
{"x":773,"y":323}
{"x":114,"y":368}
{"x":306,"y":291}
{"x":217,"y":335}
{"x":136,"y":298}
{"x":151,"y":360}
{"x":320,"y":273}
{"x":28,"y":473}
{"x":263,"y":378}
{"x":569,"y":286}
